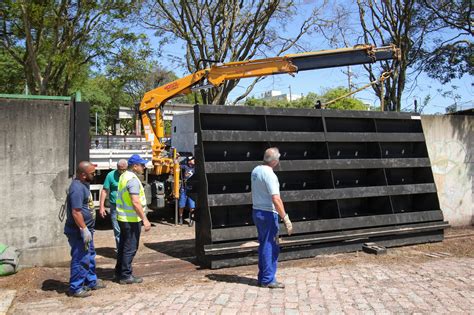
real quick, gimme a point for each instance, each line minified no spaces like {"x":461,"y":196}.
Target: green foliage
{"x":309,"y":101}
{"x":127,"y":126}
{"x":346,"y":103}
{"x":448,"y":55}
{"x":105,"y":97}
{"x":53,"y":40}
{"x":11,"y":75}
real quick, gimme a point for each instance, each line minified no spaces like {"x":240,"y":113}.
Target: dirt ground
{"x":166,"y":259}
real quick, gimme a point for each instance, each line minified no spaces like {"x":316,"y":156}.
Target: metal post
{"x":349,"y":78}
{"x":176,"y":212}
{"x":96,"y":123}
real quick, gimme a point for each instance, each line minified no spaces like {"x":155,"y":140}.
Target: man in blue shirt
{"x":110,"y":189}
{"x":79,"y":229}
{"x":267,"y":205}
{"x":187,"y":171}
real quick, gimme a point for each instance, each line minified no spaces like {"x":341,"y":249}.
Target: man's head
{"x":191,"y":161}
{"x":122,"y":166}
{"x":85,"y":171}
{"x":136,"y":164}
{"x":97,"y":141}
{"x":271,"y":157}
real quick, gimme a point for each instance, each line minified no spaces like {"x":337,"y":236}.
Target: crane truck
{"x":166,"y":167}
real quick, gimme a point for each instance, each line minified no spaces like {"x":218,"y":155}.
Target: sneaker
{"x":98,"y":285}
{"x":82,"y":293}
{"x":180,"y":221}
{"x":273,"y":285}
{"x":131,"y":280}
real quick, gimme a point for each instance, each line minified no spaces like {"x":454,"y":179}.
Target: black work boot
{"x":273,"y":285}
{"x":131,"y":280}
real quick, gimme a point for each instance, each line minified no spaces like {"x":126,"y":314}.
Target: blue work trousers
{"x":82,"y":263}
{"x":128,"y":246}
{"x":115,"y":225}
{"x":268,"y":249}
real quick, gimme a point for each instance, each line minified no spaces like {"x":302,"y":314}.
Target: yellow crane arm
{"x":217,"y":74}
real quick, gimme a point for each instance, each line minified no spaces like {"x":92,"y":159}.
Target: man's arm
{"x":278,"y":203}
{"x":78,"y":218}
{"x":137,"y":206}
{"x":103,"y":195}
{"x":76,"y":198}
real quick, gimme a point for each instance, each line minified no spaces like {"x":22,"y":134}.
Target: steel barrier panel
{"x":342,"y":173}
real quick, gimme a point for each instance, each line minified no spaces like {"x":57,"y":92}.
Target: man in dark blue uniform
{"x":79,"y":229}
{"x":187,"y":171}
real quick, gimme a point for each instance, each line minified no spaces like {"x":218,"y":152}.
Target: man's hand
{"x":102,"y":212}
{"x":288,"y":225}
{"x":146,"y":225}
{"x":86,"y":236}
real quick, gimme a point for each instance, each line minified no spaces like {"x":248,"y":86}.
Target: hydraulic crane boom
{"x":218,"y":74}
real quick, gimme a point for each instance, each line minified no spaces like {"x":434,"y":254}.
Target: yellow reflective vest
{"x":125,"y":211}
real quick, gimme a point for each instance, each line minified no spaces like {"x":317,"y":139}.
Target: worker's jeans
{"x":268,"y":250}
{"x":82,"y":263}
{"x":128,"y":246}
{"x":115,"y":225}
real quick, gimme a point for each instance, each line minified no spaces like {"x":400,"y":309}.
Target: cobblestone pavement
{"x":440,"y":285}
{"x":427,"y":279}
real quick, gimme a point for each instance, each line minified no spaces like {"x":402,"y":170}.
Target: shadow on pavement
{"x":105,"y":273}
{"x":232,"y":279}
{"x":55,"y":285}
{"x":183,"y":249}
{"x":108,"y":252}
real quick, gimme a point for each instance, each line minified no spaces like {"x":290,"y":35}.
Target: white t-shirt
{"x":264,"y":185}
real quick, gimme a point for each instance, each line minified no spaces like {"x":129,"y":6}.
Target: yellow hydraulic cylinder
{"x":176,"y":173}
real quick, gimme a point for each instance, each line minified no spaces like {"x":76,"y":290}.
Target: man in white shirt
{"x":267,"y":206}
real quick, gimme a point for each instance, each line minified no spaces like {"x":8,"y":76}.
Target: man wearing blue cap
{"x":131,"y":203}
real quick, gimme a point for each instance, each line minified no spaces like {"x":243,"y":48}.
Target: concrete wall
{"x":450,"y":142}
{"x":34,"y":157}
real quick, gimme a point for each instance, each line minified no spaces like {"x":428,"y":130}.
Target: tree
{"x":223,"y":31}
{"x":309,"y":101}
{"x":53,"y":40}
{"x":451,"y":56}
{"x":96,"y":91}
{"x":138,"y":72}
{"x":434,"y":37}
{"x":391,"y":22}
{"x":11,"y":75}
{"x":127,"y":126}
{"x":347,"y":103}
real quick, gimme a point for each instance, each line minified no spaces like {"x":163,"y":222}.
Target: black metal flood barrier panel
{"x":346,"y":178}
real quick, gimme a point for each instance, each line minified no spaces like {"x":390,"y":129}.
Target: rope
{"x":385,"y":75}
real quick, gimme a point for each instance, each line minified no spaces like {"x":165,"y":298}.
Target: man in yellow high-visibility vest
{"x":131,"y":203}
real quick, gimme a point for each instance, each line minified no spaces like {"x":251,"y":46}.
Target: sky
{"x":320,"y":80}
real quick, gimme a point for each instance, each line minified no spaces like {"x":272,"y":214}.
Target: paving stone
{"x":438,"y":286}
